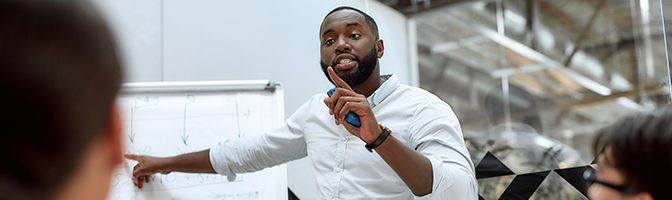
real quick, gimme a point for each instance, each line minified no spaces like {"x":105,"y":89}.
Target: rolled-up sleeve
{"x":436,"y":133}
{"x":272,"y":148}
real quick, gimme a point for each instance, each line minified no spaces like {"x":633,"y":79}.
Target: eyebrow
{"x":346,"y":25}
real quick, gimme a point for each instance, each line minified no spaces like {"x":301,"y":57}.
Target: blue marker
{"x":351,"y":117}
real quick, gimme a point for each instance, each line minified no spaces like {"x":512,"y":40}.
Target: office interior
{"x":531,"y":81}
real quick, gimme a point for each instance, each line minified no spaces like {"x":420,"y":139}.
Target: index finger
{"x":132,"y":157}
{"x":337,"y":80}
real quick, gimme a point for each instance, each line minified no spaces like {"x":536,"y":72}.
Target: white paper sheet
{"x":171,"y":124}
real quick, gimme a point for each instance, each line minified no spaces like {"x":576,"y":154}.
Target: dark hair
{"x":60,"y":75}
{"x":369,"y":19}
{"x":640,"y":148}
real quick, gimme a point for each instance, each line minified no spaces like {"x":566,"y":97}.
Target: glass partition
{"x":532,"y":81}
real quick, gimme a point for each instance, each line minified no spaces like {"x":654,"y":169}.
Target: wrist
{"x":384,"y":133}
{"x":168,"y":165}
{"x":375,"y":134}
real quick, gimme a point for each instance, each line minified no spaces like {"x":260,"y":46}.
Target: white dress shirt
{"x":344,"y":169}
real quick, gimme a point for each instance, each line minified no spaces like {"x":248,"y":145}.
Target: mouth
{"x":345,"y":62}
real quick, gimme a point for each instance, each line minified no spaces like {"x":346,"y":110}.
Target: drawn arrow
{"x":185,"y":137}
{"x":131,"y":136}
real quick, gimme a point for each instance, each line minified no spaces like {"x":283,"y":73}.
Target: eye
{"x":328,"y":42}
{"x":355,"y":36}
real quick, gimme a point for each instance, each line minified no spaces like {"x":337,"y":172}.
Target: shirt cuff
{"x":441,"y":179}
{"x":219,"y":162}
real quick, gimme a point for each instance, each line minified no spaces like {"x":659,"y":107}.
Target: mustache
{"x":366,"y":66}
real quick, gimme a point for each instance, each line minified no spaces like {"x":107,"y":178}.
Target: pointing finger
{"x":337,"y":80}
{"x":132,"y":157}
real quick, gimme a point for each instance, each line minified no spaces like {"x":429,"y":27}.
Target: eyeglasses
{"x":591,"y":178}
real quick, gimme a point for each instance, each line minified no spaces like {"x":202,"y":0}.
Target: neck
{"x":370,"y":85}
{"x":92,"y":178}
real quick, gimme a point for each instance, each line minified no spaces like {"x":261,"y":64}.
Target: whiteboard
{"x":171,"y":118}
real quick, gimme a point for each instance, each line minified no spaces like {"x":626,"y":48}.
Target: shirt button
{"x":344,"y":139}
{"x":338,"y":170}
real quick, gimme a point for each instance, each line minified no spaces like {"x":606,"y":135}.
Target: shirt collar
{"x":389,"y":85}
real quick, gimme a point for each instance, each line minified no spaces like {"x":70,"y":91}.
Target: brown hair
{"x":59,"y":78}
{"x":640,"y":148}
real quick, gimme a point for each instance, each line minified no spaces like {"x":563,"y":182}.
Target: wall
{"x":173,"y":40}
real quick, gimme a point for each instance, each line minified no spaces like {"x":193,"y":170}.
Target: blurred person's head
{"x":59,"y":78}
{"x":349,"y":43}
{"x":523,"y":106}
{"x":634,"y":158}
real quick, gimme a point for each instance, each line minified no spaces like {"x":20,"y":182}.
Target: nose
{"x":342,"y":46}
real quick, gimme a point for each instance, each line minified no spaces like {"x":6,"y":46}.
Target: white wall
{"x":177,"y":40}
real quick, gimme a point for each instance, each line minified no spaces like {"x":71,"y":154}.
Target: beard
{"x":364,"y":69}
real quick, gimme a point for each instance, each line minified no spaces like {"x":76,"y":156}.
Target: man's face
{"x":348,"y":44}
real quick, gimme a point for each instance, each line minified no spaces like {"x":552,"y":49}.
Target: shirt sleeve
{"x":275,"y":147}
{"x":436,"y":133}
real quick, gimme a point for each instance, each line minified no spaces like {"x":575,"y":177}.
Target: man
{"x":419,"y":149}
{"x":59,"y":81}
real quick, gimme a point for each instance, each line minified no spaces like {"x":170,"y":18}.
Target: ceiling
{"x":584,"y":63}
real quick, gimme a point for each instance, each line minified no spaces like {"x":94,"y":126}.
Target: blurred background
{"x":530,"y":80}
{"x":533,"y":80}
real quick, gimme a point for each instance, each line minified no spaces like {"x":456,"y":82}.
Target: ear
{"x":113,"y":137}
{"x":380,"y":48}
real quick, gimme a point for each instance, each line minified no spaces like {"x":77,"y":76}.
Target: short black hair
{"x":369,"y":20}
{"x":59,"y":78}
{"x":639,"y":147}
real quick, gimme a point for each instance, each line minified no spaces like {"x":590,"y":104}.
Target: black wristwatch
{"x":380,"y":139}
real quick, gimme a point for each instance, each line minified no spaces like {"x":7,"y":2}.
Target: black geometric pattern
{"x":490,"y":166}
{"x":291,"y":195}
{"x":574,"y":176}
{"x":523,"y":186}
